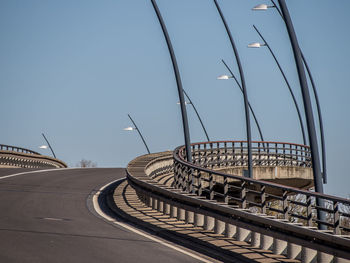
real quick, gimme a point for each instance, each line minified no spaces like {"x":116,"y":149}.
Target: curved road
{"x":46,"y":217}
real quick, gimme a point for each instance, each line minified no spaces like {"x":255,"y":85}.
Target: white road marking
{"x":53,"y":219}
{"x":111,"y":219}
{"x":40,"y":171}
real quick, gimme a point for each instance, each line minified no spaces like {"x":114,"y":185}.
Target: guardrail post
{"x":324,"y":258}
{"x":242,"y":234}
{"x":199,"y":181}
{"x":189,"y":217}
{"x":279,"y":246}
{"x":226,"y":190}
{"x":266,"y":242}
{"x":255,"y":239}
{"x":208,"y":222}
{"x":211,"y":186}
{"x":309,"y":210}
{"x":173,"y":211}
{"x":198,"y":220}
{"x":285,"y":205}
{"x":263,"y":199}
{"x":181,"y":214}
{"x":336,"y":218}
{"x":243,"y":195}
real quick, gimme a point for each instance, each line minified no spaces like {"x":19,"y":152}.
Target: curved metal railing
{"x":17,"y":149}
{"x":20,"y":157}
{"x":293,"y":204}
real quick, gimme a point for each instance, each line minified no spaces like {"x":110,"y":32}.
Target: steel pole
{"x":250,"y":107}
{"x":308,"y":110}
{"x":245,"y":96}
{"x":138,"y":130}
{"x":288,"y":85}
{"x":320,"y":120}
{"x":199,"y":118}
{"x":178,"y":82}
{"x":54,"y":155}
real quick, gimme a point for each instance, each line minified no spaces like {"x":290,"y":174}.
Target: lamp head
{"x":256,"y":45}
{"x":261,"y":7}
{"x":43,"y":147}
{"x":129,"y":129}
{"x":224,"y":77}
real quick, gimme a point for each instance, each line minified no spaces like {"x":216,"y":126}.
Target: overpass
{"x":206,"y":206}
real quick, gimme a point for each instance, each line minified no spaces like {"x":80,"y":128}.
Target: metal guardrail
{"x":17,"y":149}
{"x":285,"y":202}
{"x":259,"y":229}
{"x":21,"y":157}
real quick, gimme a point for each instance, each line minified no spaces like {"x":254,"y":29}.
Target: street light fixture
{"x":224,"y":77}
{"x":258,"y":45}
{"x":138,"y":130}
{"x":262,"y":7}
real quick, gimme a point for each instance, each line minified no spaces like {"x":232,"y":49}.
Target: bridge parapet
{"x":263,"y":223}
{"x":12,"y":156}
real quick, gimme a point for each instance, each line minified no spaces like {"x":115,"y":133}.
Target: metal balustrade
{"x":17,"y":149}
{"x":288,"y":203}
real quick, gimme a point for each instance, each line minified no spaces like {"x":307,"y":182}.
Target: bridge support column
{"x":293,"y":251}
{"x":266,"y":242}
{"x":279,"y":246}
{"x":154,"y":203}
{"x":189,"y":217}
{"x":242,"y":234}
{"x":255,"y":239}
{"x":181,"y":214}
{"x":173,"y":211}
{"x":219,"y":226}
{"x":230,"y":230}
{"x":160,"y":206}
{"x":208,"y":222}
{"x":324,"y":258}
{"x":308,"y":255}
{"x":198,"y":220}
{"x":166,"y":210}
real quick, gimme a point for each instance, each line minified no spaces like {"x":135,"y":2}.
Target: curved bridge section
{"x":266,"y":214}
{"x":12,"y":156}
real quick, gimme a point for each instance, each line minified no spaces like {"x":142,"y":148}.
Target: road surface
{"x":47,"y":216}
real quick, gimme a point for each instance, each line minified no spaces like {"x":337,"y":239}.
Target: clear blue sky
{"x":75,"y":69}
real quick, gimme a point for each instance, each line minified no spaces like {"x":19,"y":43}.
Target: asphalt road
{"x":46,"y":217}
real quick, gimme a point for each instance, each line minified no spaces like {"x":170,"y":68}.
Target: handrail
{"x":140,"y":174}
{"x":235,"y":189}
{"x":17,"y":149}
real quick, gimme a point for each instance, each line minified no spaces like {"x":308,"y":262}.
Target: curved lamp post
{"x":258,"y":45}
{"x":138,"y":130}
{"x":178,"y":82}
{"x":54,"y":155}
{"x":245,"y":96}
{"x":195,"y":110}
{"x":240,"y":87}
{"x":264,"y":7}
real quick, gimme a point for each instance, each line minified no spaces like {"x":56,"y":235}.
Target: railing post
{"x":243,"y":195}
{"x":285,"y":205}
{"x":226,"y":190}
{"x":211,"y":186}
{"x":200,"y":189}
{"x":263,"y":199}
{"x":336,"y":218}
{"x":309,"y":210}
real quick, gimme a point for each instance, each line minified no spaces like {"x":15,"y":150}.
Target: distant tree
{"x":86,"y":163}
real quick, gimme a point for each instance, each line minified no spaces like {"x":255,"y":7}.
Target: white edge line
{"x":111,"y":219}
{"x":40,"y":171}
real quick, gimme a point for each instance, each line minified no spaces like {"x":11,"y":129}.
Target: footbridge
{"x":275,"y":210}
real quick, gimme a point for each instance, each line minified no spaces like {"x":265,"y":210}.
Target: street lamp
{"x":138,"y":130}
{"x":262,"y":7}
{"x":258,"y":45}
{"x":299,"y":60}
{"x":178,"y":82}
{"x":42,"y":147}
{"x":224,"y":77}
{"x":245,"y":96}
{"x":320,"y":121}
